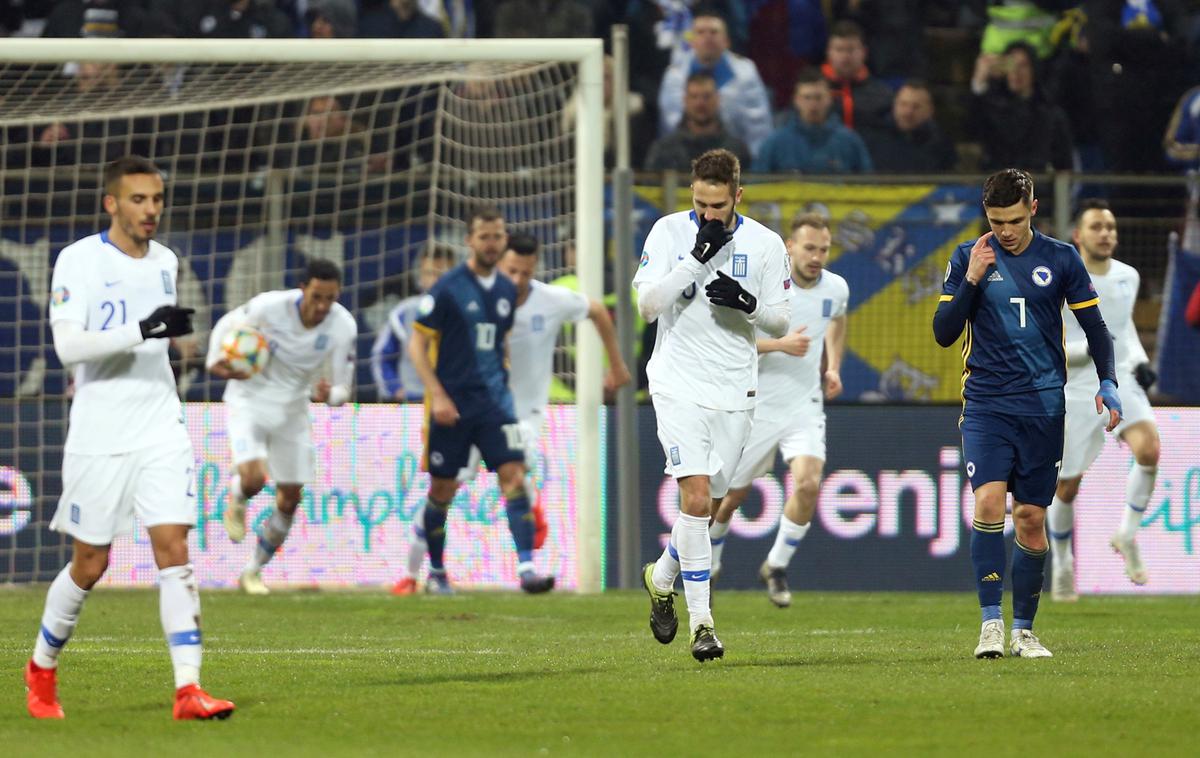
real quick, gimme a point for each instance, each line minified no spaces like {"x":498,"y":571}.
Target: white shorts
{"x":102,"y":493}
{"x":1084,"y":436}
{"x":701,"y":441}
{"x":279,"y":434}
{"x":800,"y":431}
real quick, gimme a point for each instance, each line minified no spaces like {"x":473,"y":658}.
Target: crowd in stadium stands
{"x":813,"y":86}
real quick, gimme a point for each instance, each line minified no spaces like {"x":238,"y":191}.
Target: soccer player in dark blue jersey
{"x":1007,"y":289}
{"x":459,"y":349}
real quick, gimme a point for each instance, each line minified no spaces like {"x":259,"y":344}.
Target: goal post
{"x":560,"y":171}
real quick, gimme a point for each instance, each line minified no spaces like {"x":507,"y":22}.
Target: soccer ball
{"x":246,"y":350}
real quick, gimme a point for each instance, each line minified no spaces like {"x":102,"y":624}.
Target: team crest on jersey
{"x":741,"y":262}
{"x":425,"y":305}
{"x":60,"y":295}
{"x":503,"y":307}
{"x":168,"y":285}
{"x":322,"y":341}
{"x":538,"y":323}
{"x":1042,"y":276}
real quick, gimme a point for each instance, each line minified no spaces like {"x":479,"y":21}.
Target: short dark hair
{"x":815,"y":220}
{"x":700,"y":76}
{"x":1029,"y":50}
{"x":1008,"y":187}
{"x":915,"y":83}
{"x":1090,"y":204}
{"x":809,"y":75}
{"x":126,"y":165}
{"x":719,"y":167}
{"x":847,"y":29}
{"x":320,"y":268}
{"x":523,"y":244}
{"x":483,"y":213}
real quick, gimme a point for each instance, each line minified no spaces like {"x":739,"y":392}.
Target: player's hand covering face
{"x":710,"y":239}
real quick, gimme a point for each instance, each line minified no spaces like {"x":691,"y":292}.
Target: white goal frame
{"x":588,"y":195}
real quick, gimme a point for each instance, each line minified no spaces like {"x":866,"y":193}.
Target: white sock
{"x":695,"y":562}
{"x":274,"y":531}
{"x":716,"y":537}
{"x":787,"y":539}
{"x":417,"y":547}
{"x":179,"y":607}
{"x":1138,"y":489}
{"x":235,"y":489}
{"x":667,"y":566}
{"x":1060,"y":519}
{"x":63,"y":602}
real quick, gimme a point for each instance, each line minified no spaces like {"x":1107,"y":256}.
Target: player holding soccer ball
{"x":711,"y":277}
{"x":269,"y":426}
{"x":1117,"y":284}
{"x":459,"y":349}
{"x":790,"y":413}
{"x":1007,"y":289}
{"x":113,"y":310}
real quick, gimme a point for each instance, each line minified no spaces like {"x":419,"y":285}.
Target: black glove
{"x":1145,"y":375}
{"x":710,"y":239}
{"x":727,"y":292}
{"x":167,"y":321}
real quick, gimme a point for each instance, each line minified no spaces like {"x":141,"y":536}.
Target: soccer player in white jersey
{"x":113,"y":310}
{"x":711,"y":277}
{"x":1117,"y":285}
{"x":269,"y":426}
{"x":542,"y":309}
{"x":790,"y":413}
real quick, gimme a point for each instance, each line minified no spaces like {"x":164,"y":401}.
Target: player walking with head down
{"x":113,"y":310}
{"x":704,"y":369}
{"x":460,"y":350}
{"x":269,"y":428}
{"x":1007,"y":289}
{"x":1117,"y":285}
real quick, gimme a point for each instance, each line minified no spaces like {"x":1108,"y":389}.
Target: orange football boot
{"x":406,"y":586}
{"x":191,"y":702}
{"x":541,"y":527}
{"x":42,"y":694}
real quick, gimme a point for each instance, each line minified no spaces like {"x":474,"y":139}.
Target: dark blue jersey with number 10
{"x":1013,"y":350}
{"x":468,"y":324}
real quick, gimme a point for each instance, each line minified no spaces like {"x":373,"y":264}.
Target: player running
{"x":459,"y":349}
{"x":113,"y":311}
{"x":1007,"y":289}
{"x":704,"y":369}
{"x":790,"y":413}
{"x":268,"y":422}
{"x":1117,"y":285}
{"x":542,"y":310}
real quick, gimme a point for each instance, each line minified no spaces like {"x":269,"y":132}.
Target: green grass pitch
{"x":848,"y":674}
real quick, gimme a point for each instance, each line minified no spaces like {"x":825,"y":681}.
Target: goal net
{"x":369,"y":153}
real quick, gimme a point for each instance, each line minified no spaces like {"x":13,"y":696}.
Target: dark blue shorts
{"x":1023,"y":451}
{"x":448,"y":448}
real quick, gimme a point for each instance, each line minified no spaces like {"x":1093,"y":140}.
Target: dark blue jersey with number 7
{"x":467,"y":323}
{"x":1013,"y":351}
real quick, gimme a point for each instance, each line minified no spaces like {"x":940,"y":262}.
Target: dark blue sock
{"x":435,"y":532}
{"x":1028,"y":573}
{"x":520,"y":523}
{"x":987,"y":556}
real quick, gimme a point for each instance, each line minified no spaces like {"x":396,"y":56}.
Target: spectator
{"x":456,"y":17}
{"x":640,"y":130}
{"x":69,"y":143}
{"x":788,"y":35}
{"x":242,"y":19}
{"x":1193,"y":309}
{"x":812,"y":140}
{"x":330,"y":19}
{"x":859,"y":99}
{"x":700,"y":131}
{"x":93,"y":18}
{"x":893,"y":31}
{"x":1009,"y":116}
{"x":745,"y":107}
{"x":395,"y":377}
{"x":1182,"y":140}
{"x":910,"y":142}
{"x":398,"y":19}
{"x":324,"y":136}
{"x":543,"y":18}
